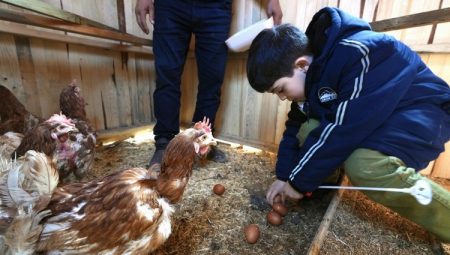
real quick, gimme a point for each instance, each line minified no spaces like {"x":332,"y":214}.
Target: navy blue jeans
{"x":175,"y":22}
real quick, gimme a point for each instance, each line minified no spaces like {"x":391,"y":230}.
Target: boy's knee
{"x":365,"y":165}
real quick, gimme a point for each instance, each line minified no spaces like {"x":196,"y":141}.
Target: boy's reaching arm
{"x":371,"y":84}
{"x":289,"y":150}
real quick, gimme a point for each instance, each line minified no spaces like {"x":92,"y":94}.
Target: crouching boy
{"x":359,"y":98}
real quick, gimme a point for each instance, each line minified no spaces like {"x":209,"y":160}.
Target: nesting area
{"x":206,"y":223}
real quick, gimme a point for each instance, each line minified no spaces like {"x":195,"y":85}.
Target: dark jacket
{"x":368,"y":90}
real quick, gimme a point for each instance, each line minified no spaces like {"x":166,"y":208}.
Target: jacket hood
{"x":329,"y":26}
{"x":326,"y":29}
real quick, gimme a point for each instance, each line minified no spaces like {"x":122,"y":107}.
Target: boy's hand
{"x":291,"y":192}
{"x":283,"y":189}
{"x":144,"y":7}
{"x":275,"y":189}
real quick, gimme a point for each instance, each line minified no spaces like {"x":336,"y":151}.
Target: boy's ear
{"x":302,"y":62}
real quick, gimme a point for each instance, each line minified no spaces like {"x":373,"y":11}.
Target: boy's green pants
{"x":366,"y":167}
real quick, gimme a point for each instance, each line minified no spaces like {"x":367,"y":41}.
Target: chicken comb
{"x":205,"y":125}
{"x":60,"y":118}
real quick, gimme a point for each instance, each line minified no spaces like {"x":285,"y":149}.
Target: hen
{"x":26,"y":186}
{"x":52,"y":138}
{"x":9,"y":143}
{"x":13,"y":115}
{"x":83,"y":142}
{"x":128,"y":212}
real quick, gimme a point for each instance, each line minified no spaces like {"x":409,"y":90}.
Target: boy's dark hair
{"x":273,"y":53}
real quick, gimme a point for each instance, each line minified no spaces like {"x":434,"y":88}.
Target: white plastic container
{"x":242,"y":40}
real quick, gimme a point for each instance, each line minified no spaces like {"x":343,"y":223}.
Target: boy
{"x":360,"y":98}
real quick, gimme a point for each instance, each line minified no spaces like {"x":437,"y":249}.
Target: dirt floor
{"x":205,"y":223}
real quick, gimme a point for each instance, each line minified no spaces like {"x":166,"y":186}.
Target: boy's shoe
{"x":217,"y":155}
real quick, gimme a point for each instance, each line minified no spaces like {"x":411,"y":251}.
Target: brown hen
{"x":52,"y":138}
{"x":13,"y":114}
{"x":128,"y":212}
{"x":83,"y":142}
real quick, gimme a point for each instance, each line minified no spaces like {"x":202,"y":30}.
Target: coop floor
{"x":205,"y":223}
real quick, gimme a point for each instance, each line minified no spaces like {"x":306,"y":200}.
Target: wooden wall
{"x":118,"y":86}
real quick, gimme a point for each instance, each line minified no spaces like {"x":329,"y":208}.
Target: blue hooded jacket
{"x":368,"y":90}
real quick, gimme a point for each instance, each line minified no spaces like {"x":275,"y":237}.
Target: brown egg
{"x":274,"y":218}
{"x":277,"y":199}
{"x":218,"y":189}
{"x":280,"y":209}
{"x":251,"y":233}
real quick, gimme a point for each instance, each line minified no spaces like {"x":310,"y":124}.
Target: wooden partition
{"x":118,"y":84}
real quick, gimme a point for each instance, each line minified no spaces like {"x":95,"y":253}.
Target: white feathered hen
{"x":26,"y":186}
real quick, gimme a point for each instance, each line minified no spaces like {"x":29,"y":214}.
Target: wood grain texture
{"x":118,"y":87}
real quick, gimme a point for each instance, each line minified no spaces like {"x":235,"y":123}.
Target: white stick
{"x":404,"y":190}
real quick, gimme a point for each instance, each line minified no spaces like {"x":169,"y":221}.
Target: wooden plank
{"x":23,"y":30}
{"x":268,"y":116}
{"x":121,"y":16}
{"x":121,"y":87}
{"x":10,"y":76}
{"x":143,"y":97}
{"x":52,"y":73}
{"x":251,"y":107}
{"x":28,"y":75}
{"x":132,"y":86}
{"x":51,"y":11}
{"x":228,"y":119}
{"x":352,"y":7}
{"x":419,"y":35}
{"x":433,"y":28}
{"x":314,"y":248}
{"x":431,"y":48}
{"x":36,"y":20}
{"x":440,"y":65}
{"x":413,"y":20}
{"x":119,"y":134}
{"x":87,"y":66}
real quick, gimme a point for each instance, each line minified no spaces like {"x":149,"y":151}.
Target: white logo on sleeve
{"x":326,"y":94}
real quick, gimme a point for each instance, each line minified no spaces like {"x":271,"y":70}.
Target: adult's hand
{"x":144,"y":7}
{"x":274,"y":10}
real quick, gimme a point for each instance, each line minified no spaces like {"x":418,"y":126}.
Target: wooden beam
{"x":118,"y":134}
{"x":23,"y":30}
{"x":121,"y":15}
{"x":40,"y":21}
{"x":431,"y":48}
{"x":316,"y":245}
{"x":51,"y":11}
{"x":413,"y":20}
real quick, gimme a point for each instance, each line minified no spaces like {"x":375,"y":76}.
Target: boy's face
{"x":290,"y":88}
{"x":293,"y":88}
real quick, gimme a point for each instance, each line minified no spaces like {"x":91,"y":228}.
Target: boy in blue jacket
{"x":359,"y":98}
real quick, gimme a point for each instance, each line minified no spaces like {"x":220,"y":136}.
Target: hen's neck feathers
{"x":176,"y":167}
